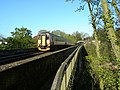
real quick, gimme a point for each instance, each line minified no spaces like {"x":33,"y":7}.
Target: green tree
{"x":93,"y":9}
{"x":1,"y":36}
{"x":84,"y":35}
{"x":57,"y":32}
{"x":109,"y":27}
{"x":94,"y":24}
{"x":2,"y":45}
{"x":43,"y":30}
{"x":64,"y":35}
{"x":21,"y":38}
{"x":104,"y":70}
{"x":118,"y":35}
{"x":77,"y":36}
{"x":114,"y":4}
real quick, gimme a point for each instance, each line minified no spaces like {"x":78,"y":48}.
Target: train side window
{"x":39,"y":36}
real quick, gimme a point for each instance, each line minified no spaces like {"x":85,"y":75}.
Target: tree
{"x":77,"y":36}
{"x":118,"y":35}
{"x":43,"y":31}
{"x":57,"y":32}
{"x":2,"y":42}
{"x":1,"y":36}
{"x":94,"y":25}
{"x":84,"y":35}
{"x":73,"y":38}
{"x":21,"y":38}
{"x":109,"y":27}
{"x":92,"y":6}
{"x":104,"y":68}
{"x":108,"y":24}
{"x":113,"y":3}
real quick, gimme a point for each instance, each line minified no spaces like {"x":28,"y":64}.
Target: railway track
{"x":17,"y":57}
{"x":9,"y":56}
{"x":36,"y":71}
{"x":4,"y":53}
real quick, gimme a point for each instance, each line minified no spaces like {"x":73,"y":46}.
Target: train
{"x":48,"y":41}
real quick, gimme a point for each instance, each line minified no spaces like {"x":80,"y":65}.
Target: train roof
{"x":55,"y":36}
{"x":43,"y":32}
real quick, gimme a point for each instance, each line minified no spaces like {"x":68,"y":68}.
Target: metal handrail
{"x":62,"y":77}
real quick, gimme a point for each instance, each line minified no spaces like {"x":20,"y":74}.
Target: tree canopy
{"x":20,"y":38}
{"x":104,"y":56}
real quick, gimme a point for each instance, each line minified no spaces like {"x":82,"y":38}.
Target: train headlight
{"x":39,"y":41}
{"x":48,"y":42}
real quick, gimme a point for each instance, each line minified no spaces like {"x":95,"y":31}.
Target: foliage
{"x":57,"y":32}
{"x":21,"y":38}
{"x":2,"y":42}
{"x":118,"y":35}
{"x":43,"y":30}
{"x":76,"y":36}
{"x":105,"y":69}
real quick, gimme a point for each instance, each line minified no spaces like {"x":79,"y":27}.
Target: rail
{"x":65,"y":74}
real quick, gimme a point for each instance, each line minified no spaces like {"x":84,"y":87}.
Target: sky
{"x":37,"y":15}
